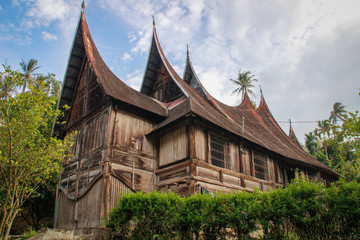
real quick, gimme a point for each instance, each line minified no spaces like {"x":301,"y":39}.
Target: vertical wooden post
{"x":191,"y":140}
{"x":106,"y":195}
{"x":241,"y":159}
{"x":267,"y":169}
{"x":286,"y":178}
{"x":276,"y":169}
{"x":193,"y":173}
{"x":242,"y":178}
{"x":252,"y":165}
{"x":221,"y":176}
{"x":207,"y":148}
{"x":133,"y":175}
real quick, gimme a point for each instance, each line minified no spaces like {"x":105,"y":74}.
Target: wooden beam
{"x":191,"y":140}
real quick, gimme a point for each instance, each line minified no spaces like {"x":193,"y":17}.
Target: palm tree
{"x":338,"y":112}
{"x":311,"y":143}
{"x":28,"y":70}
{"x":46,"y":83}
{"x":244,"y":82}
{"x":324,"y":128}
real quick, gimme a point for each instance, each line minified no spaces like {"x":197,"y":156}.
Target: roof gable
{"x":84,"y":49}
{"x":160,"y":80}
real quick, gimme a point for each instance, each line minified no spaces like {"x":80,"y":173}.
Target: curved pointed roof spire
{"x":83,"y":6}
{"x":246,"y":102}
{"x":292,"y":135}
{"x":158,"y":62}
{"x":153,"y":20}
{"x":84,"y":49}
{"x":187,"y":52}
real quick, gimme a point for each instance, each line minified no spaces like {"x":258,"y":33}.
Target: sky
{"x":305,"y":54}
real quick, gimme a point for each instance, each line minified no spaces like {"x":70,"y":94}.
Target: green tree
{"x":324,"y":128}
{"x":28,"y":71}
{"x":29,"y":156}
{"x":311,"y":143}
{"x":337,"y":113}
{"x":48,"y":84}
{"x":244,"y":83}
{"x":351,"y":129}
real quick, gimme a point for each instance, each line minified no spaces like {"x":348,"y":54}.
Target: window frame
{"x":261,"y":166}
{"x":218,"y":161}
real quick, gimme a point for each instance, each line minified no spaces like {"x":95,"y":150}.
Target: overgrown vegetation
{"x":303,"y":210}
{"x":29,"y":156}
{"x":336,"y":142}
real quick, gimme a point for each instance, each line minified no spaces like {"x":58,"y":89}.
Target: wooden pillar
{"x":252,"y":165}
{"x":106,"y":194}
{"x":242,"y":181}
{"x":241,"y":159}
{"x":193,"y":173}
{"x":191,"y":140}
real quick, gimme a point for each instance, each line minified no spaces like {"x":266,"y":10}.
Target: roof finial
{"x":153,"y":20}
{"x":83,"y":6}
{"x":291,"y":131}
{"x":187,"y":51}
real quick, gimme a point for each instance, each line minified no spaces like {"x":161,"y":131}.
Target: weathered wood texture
{"x":90,"y":135}
{"x":234,"y":157}
{"x":66,"y":212}
{"x":173,"y":146}
{"x":200,"y":144}
{"x":183,"y":189}
{"x":246,"y":157}
{"x":129,"y":131}
{"x":88,"y":208}
{"x":135,"y":178}
{"x":88,"y":97}
{"x":118,"y":188}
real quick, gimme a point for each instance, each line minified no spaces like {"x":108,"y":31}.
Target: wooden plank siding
{"x":200,"y":144}
{"x":113,"y":155}
{"x":118,"y":188}
{"x":173,"y":146}
{"x":129,"y":131}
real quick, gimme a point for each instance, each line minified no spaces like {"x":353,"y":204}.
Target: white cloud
{"x":46,"y":11}
{"x":304,"y":53}
{"x":126,"y":56}
{"x":15,"y":2}
{"x":46,"y":36}
{"x":42,"y":13}
{"x":132,"y":37}
{"x":134,"y":79}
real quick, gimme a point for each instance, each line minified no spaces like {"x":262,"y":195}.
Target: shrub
{"x":303,"y":210}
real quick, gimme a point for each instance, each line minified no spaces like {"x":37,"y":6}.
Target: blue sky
{"x":305,"y":54}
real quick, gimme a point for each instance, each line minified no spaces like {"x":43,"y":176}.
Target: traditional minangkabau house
{"x":171,"y":136}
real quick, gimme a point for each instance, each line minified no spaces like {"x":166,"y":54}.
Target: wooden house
{"x":171,"y":136}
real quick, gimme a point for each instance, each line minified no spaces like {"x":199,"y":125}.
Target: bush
{"x":303,"y":210}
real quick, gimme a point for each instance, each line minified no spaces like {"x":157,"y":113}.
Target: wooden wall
{"x":129,"y":131}
{"x":201,"y":144}
{"x":88,"y":207}
{"x":234,"y":156}
{"x":118,"y":188}
{"x":66,"y":210}
{"x":90,"y":135}
{"x":173,"y":146}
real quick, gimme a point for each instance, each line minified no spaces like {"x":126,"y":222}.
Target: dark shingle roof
{"x":260,"y":127}
{"x":84,"y":47}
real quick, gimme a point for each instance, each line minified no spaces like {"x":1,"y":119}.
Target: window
{"x":260,"y":164}
{"x":219,"y":151}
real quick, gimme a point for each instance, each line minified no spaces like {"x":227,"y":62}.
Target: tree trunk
{"x":8,"y":227}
